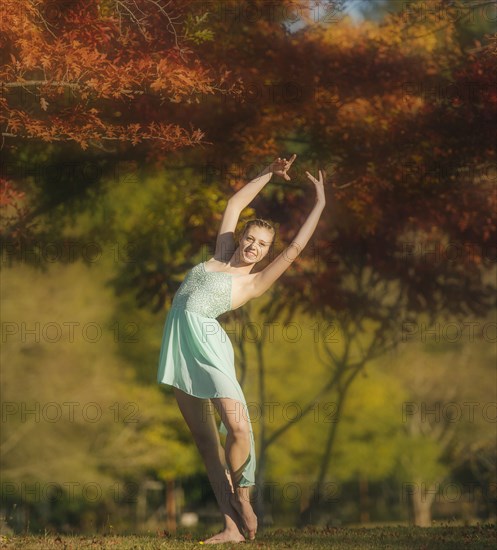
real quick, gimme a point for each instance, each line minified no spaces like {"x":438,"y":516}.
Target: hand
{"x":320,"y":198}
{"x":280,"y":167}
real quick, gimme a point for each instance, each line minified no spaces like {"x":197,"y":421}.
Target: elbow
{"x":235,"y":203}
{"x":293,"y":251}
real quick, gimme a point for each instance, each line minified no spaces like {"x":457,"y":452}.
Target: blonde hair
{"x":259,"y":222}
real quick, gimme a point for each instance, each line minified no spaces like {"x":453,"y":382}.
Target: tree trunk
{"x":260,"y":476}
{"x":312,"y":514}
{"x":171,"y":506}
{"x":260,"y":479}
{"x":422,"y":501}
{"x":364,"y":499}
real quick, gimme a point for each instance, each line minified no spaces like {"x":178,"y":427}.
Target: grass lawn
{"x":476,"y":537}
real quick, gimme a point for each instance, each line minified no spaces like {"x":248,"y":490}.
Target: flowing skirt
{"x":198,"y":358}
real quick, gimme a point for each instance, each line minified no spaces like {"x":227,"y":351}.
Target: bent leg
{"x":199,"y":416}
{"x":235,"y":417}
{"x":237,"y":446}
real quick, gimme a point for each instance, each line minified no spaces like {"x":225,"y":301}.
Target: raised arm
{"x":248,"y":192}
{"x":264,"y":279}
{"x":225,"y":242}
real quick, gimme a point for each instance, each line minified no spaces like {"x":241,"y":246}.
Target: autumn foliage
{"x":399,"y":114}
{"x":201,"y":95}
{"x":71,"y":68}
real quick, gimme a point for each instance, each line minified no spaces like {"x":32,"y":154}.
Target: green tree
{"x":74,"y":414}
{"x":448,"y":417}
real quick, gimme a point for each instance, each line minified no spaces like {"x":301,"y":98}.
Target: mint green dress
{"x":196,"y":355}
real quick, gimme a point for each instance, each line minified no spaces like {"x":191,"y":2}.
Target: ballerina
{"x":197,"y":357}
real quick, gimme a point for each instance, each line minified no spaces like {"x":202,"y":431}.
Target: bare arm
{"x":225,"y":242}
{"x":246,"y":195}
{"x":264,"y":279}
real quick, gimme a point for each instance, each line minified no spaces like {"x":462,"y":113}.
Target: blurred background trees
{"x":126,"y":125}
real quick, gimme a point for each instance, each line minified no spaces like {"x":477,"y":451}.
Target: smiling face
{"x":255,"y":243}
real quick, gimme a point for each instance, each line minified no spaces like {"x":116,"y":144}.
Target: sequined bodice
{"x":207,"y":293}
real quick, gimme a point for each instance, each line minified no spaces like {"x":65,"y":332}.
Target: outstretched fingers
{"x":313,"y":179}
{"x":290,"y":162}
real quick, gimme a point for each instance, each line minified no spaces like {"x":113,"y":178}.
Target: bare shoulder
{"x":211,"y":261}
{"x":216,"y":264}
